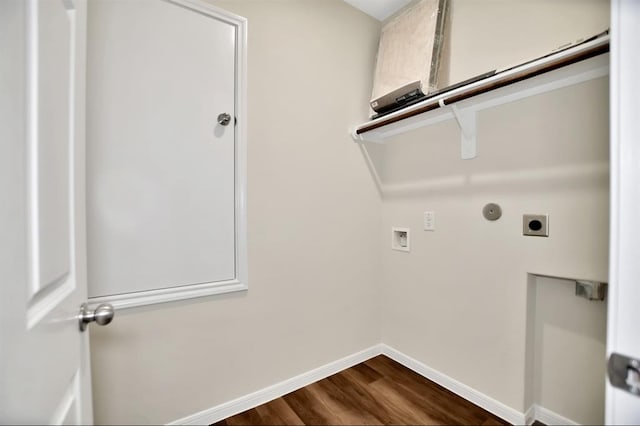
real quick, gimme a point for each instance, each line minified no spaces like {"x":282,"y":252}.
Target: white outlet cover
{"x":429,"y":221}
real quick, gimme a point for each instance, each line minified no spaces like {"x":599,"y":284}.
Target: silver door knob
{"x":102,"y":315}
{"x":224,"y":119}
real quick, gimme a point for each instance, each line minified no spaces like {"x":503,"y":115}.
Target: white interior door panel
{"x":161,"y":201}
{"x":43,"y":356}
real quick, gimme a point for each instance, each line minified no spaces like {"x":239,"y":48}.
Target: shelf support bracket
{"x":466,"y":119}
{"x":361,"y":138}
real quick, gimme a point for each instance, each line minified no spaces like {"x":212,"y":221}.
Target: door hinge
{"x":624,"y":373}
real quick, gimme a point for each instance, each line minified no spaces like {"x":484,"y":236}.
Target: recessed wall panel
{"x":49,"y":130}
{"x":161,"y":178}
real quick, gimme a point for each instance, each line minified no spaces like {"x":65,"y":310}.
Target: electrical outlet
{"x":429,"y":221}
{"x":535,"y":225}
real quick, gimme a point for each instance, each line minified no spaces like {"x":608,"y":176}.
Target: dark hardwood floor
{"x":376,"y":392}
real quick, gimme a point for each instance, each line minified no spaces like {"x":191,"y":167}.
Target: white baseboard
{"x":499,"y":409}
{"x":231,"y":408}
{"x":550,"y":418}
{"x":530,"y":415}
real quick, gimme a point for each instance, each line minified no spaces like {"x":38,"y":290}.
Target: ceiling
{"x":379,"y":9}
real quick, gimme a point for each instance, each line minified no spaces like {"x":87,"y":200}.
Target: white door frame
{"x":624,"y":263}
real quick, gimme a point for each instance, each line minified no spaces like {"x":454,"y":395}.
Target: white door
{"x":160,"y":167}
{"x":623,"y":333}
{"x":44,"y":369}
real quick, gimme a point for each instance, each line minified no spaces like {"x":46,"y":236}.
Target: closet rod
{"x":492,"y":83}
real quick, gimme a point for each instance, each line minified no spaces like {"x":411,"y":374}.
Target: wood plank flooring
{"x":377,"y":392}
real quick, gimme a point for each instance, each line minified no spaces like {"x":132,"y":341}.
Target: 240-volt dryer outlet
{"x":535,"y":225}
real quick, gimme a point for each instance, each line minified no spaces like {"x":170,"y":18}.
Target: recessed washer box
{"x":535,"y":225}
{"x":400,"y":239}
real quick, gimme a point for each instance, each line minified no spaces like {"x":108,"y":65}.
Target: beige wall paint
{"x":458,"y":302}
{"x":489,"y":34}
{"x":319,"y":256}
{"x":570,"y":352}
{"x":313,"y":224}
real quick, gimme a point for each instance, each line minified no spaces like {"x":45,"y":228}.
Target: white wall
{"x":313,"y":223}
{"x":458,"y":302}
